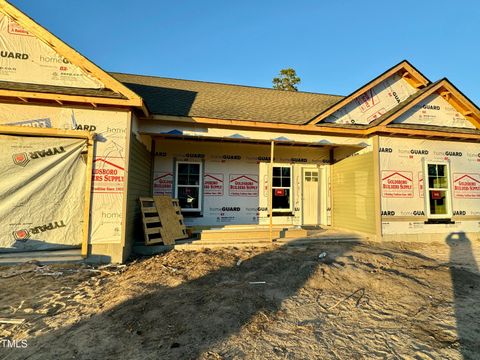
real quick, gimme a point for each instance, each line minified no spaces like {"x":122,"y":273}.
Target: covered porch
{"x":247,"y":186}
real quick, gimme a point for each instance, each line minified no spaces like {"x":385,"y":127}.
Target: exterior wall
{"x":353,"y":195}
{"x":139,"y":183}
{"x":224,"y":200}
{"x":403,"y":202}
{"x":106,"y":243}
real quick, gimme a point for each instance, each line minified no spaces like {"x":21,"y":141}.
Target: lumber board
{"x":88,"y":198}
{"x":45,"y":132}
{"x":59,"y":98}
{"x":153,"y":235}
{"x":155,"y":230}
{"x":171,"y":218}
{"x":11,"y":321}
{"x":152,"y":219}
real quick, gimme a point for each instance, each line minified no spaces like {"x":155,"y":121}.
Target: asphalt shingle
{"x":166,"y":96}
{"x":52,"y":89}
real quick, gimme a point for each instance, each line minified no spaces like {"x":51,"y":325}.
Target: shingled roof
{"x":53,"y":89}
{"x":166,"y":96}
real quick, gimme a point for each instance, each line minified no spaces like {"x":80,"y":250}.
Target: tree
{"x":286,"y":80}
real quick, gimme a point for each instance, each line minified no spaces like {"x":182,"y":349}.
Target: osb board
{"x":170,"y":217}
{"x":153,"y":234}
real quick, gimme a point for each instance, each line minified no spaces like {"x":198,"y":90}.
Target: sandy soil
{"x":361,"y":301}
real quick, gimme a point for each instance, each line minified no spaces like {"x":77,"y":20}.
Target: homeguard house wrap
{"x":398,"y":158}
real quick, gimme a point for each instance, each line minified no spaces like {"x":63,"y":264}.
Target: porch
{"x":254,"y":236}
{"x":247,"y":177}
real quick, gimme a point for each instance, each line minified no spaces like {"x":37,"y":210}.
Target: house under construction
{"x":398,"y":158}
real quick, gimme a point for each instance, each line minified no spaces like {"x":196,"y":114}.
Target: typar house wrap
{"x":32,"y":167}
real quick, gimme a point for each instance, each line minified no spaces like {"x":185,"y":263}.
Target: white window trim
{"x":200,"y":185}
{"x":290,"y":200}
{"x":426,"y":189}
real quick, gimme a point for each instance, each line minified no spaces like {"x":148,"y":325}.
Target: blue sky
{"x":335,"y":46}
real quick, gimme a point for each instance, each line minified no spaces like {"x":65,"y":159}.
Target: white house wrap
{"x":25,"y":58}
{"x":405,"y":199}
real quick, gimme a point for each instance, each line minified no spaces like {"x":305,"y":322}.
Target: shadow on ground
{"x":185,"y":321}
{"x":463,"y":263}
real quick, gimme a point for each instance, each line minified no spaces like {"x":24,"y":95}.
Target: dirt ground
{"x":360,"y":301}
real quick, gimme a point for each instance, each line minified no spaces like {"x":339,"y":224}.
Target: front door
{"x":310,"y":200}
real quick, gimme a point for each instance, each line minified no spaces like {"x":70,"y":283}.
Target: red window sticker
{"x":279,"y":192}
{"x":436,"y":195}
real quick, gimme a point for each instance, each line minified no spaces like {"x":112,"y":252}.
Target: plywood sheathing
{"x":152,"y":226}
{"x":162,"y":220}
{"x":171,"y":218}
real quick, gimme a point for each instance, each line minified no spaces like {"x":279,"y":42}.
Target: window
{"x":282,"y":188}
{"x":437,"y":190}
{"x":311,"y":176}
{"x":188,"y":186}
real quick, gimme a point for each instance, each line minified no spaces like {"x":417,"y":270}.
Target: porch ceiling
{"x":279,"y":141}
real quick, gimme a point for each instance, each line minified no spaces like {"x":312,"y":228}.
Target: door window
{"x":311,"y":176}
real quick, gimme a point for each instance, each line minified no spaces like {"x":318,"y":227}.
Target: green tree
{"x":287,"y":80}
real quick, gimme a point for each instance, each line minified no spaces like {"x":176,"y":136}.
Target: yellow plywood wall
{"x":352,"y":188}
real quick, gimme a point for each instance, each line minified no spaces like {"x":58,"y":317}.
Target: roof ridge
{"x":113,"y":73}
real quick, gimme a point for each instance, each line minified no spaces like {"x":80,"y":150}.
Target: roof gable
{"x":436,"y":111}
{"x":441,"y":105}
{"x":374,"y":102}
{"x":375,"y":98}
{"x":32,"y":55}
{"x":26,"y":59}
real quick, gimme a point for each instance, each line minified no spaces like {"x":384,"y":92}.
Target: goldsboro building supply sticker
{"x":213,"y":185}
{"x":243,"y":185}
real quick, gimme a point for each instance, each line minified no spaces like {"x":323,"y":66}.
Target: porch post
{"x":270,"y":185}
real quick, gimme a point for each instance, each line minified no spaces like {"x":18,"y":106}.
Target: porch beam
{"x":270,"y":187}
{"x":88,"y":198}
{"x":377,"y":187}
{"x":331,"y":155}
{"x":259,"y":125}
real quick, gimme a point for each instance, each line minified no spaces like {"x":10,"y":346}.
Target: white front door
{"x":310,"y":200}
